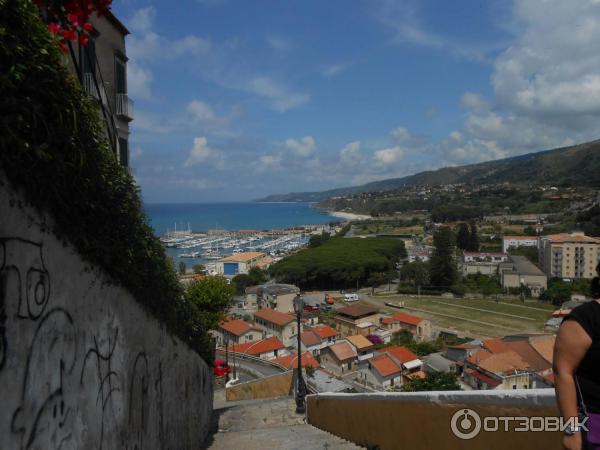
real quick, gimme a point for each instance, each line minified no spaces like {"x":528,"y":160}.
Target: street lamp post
{"x":300,"y":385}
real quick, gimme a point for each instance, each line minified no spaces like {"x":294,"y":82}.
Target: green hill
{"x":578,"y":165}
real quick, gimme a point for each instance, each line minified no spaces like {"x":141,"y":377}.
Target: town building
{"x":268,"y":348}
{"x":408,"y":360}
{"x":327,"y":334}
{"x":573,"y":255}
{"x":279,"y":297}
{"x":437,"y":362}
{"x":519,"y":272}
{"x":241,"y":263}
{"x":101,"y":67}
{"x":236,"y":331}
{"x":484,"y":263}
{"x":364,"y":347}
{"x":518,"y":241}
{"x":420,"y":328}
{"x":383,"y":372}
{"x":339,"y":358}
{"x":311,"y":342}
{"x":356,"y":319}
{"x":275,"y":323}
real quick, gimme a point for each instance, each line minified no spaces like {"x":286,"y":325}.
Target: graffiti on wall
{"x":74,"y":382}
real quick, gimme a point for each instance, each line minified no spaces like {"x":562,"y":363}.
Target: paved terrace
{"x":264,"y":425}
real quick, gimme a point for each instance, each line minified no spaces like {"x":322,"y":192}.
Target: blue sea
{"x":232,"y":216}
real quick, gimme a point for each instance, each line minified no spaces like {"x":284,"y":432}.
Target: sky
{"x":237,"y":99}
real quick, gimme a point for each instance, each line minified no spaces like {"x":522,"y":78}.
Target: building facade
{"x":573,"y":255}
{"x":519,"y":271}
{"x":275,"y":323}
{"x":241,"y":263}
{"x":518,"y":241}
{"x":101,"y":66}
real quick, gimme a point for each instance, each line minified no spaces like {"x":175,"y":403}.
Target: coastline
{"x":348,"y":216}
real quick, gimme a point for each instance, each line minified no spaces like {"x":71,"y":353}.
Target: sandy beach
{"x":349,"y":216}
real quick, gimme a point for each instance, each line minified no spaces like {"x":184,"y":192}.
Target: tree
{"x":241,"y":282}
{"x":529,"y":231}
{"x":318,"y":239}
{"x":210,"y":297}
{"x":198,"y":268}
{"x":558,"y":292}
{"x":433,"y":381}
{"x":257,"y":275}
{"x":442,"y":270}
{"x":182,"y":268}
{"x":463,"y":237}
{"x":473,"y":238}
{"x":415,"y":273}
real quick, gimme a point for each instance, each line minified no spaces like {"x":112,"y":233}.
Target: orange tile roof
{"x":385,"y":365}
{"x":565,"y":237}
{"x":479,"y":357}
{"x":237,"y":327}
{"x":264,"y":262}
{"x":291,"y":361}
{"x":483,"y":377}
{"x":243,"y":257}
{"x":407,"y":318}
{"x":324,"y":331}
{"x":502,"y":363}
{"x":526,"y":351}
{"x":276,"y":317}
{"x":360,"y":342}
{"x":310,"y":338}
{"x":255,"y":348}
{"x":402,"y":354}
{"x":495,"y":345}
{"x":343,"y":350}
{"x":357,"y":311}
{"x":545,"y":347}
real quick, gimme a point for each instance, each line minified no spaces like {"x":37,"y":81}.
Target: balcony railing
{"x":124,"y":106}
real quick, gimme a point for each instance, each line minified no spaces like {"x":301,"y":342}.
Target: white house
{"x":519,"y":241}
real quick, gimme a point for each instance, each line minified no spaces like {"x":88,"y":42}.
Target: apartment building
{"x":573,"y":255}
{"x":275,"y":323}
{"x":101,"y":67}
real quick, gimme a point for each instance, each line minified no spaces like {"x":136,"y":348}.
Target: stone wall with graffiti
{"x":82,"y":366}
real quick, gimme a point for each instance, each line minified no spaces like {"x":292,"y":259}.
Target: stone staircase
{"x":266,"y":424}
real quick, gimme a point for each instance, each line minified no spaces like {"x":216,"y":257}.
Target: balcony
{"x":124,"y":106}
{"x":423,"y":420}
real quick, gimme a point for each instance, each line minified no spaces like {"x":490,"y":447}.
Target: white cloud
{"x":139,"y":81}
{"x":142,"y":19}
{"x":388,"y":156}
{"x":202,"y":153}
{"x":474,"y":102}
{"x":350,"y":155}
{"x":200,"y":111}
{"x":333,"y":70}
{"x":280,"y":98}
{"x":147,"y":45}
{"x":279,"y":43}
{"x":303,"y":147}
{"x":401,"y":134}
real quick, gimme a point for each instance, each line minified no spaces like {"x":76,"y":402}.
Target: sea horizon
{"x":233,"y":215}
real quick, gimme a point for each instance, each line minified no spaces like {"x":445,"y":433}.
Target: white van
{"x":351,"y":297}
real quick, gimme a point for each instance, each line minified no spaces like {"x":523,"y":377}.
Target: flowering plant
{"x":69,"y":19}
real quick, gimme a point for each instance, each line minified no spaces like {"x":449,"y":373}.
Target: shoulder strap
{"x":583,"y":408}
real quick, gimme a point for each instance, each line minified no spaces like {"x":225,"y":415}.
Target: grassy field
{"x":473,"y":317}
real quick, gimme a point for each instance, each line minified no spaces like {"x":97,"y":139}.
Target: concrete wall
{"x":423,"y":420}
{"x":278,"y":385}
{"x":82,"y":366}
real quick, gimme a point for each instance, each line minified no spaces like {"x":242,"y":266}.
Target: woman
{"x":577,"y":371}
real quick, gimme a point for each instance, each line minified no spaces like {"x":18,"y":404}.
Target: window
{"x":123,"y":152}
{"x":120,"y":76}
{"x":89,"y":56}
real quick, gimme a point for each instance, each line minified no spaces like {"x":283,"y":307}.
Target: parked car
{"x":221,"y":368}
{"x":351,"y":297}
{"x":329,"y":300}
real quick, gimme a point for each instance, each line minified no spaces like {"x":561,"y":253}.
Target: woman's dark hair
{"x":595,"y":287}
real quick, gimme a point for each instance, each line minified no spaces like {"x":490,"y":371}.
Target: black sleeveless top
{"x":588,"y":372}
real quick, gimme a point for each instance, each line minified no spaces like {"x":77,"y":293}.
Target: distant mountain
{"x":578,"y":165}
